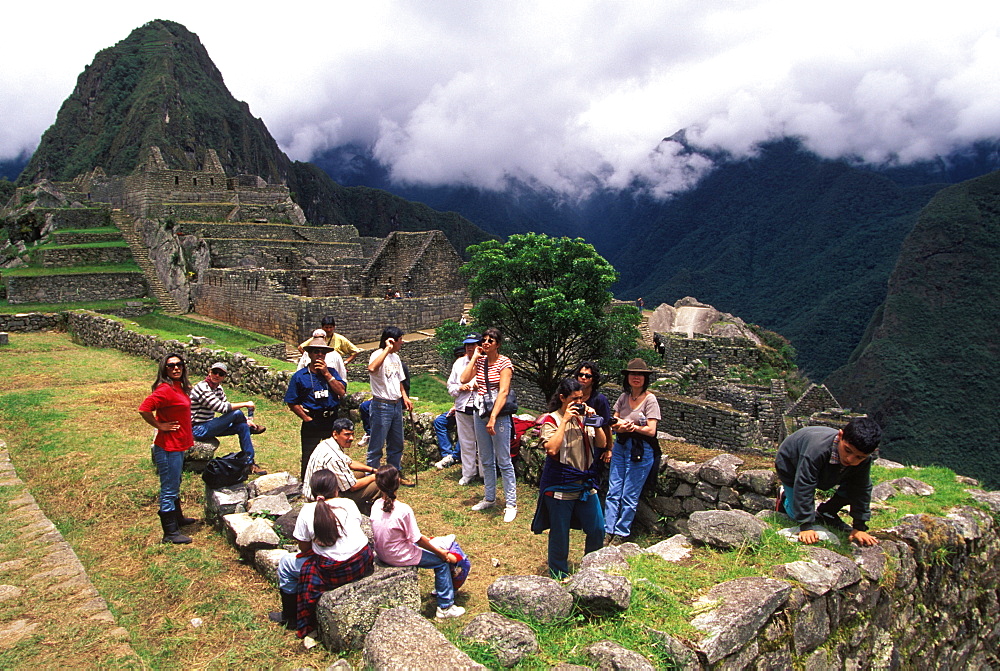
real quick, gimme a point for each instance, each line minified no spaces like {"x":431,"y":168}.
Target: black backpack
{"x":226,"y":471}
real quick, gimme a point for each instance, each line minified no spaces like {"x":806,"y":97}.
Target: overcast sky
{"x":563,"y":93}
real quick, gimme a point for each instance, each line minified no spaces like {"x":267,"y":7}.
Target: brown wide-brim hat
{"x":318,"y":343}
{"x":636,"y":366}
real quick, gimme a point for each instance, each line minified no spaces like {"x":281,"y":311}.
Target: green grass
{"x":85,"y":231}
{"x":82,"y":245}
{"x":75,"y":270}
{"x":432,"y":392}
{"x":96,"y":306}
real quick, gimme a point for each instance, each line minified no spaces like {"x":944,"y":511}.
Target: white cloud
{"x":564,"y":94}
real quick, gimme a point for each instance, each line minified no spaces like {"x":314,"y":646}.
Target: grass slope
{"x":68,"y":415}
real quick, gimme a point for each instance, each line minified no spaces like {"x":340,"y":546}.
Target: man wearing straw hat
{"x":314,"y":394}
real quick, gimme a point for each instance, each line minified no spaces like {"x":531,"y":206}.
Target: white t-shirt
{"x":386,"y":380}
{"x":352,"y":537}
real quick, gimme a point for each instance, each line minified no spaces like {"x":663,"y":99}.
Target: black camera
{"x":595,"y":421}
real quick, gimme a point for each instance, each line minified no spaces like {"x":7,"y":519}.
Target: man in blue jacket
{"x":819,"y":457}
{"x":313,"y":394}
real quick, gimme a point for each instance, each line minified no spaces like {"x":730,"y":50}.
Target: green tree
{"x":550,"y":298}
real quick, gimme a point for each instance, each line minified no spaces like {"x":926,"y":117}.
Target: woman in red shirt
{"x":168,"y":410}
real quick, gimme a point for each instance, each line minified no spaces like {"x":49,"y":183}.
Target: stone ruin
{"x":240,"y":250}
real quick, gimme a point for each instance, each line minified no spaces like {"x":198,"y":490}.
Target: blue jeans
{"x":494,"y":452}
{"x":625,"y":481}
{"x":444,"y":440}
{"x":289,"y":569}
{"x":387,"y":431}
{"x":168,"y":467}
{"x":365,"y":410}
{"x":233,"y":422}
{"x":444,"y":588}
{"x":560,"y":514}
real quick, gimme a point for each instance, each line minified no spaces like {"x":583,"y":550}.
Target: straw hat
{"x":637,"y":366}
{"x":318,"y":343}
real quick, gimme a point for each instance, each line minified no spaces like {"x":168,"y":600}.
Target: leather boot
{"x":171,"y":533}
{"x":181,"y":520}
{"x":287,"y":616}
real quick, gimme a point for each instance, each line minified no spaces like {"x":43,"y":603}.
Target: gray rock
{"x":610,"y":656}
{"x":846,"y":570}
{"x":346,"y":614}
{"x":609,"y":558}
{"x":267,"y":483}
{"x":630,"y":550}
{"x":287,"y":521}
{"x":912,"y":487}
{"x":883,"y":491}
{"x":754,"y":502}
{"x":222,"y":502}
{"x":816,"y":579}
{"x":759,"y":480}
{"x":269,"y":504}
{"x":674,"y":549}
{"x":720,"y":470}
{"x":340,"y":665}
{"x":725,"y":528}
{"x":8,"y":592}
{"x":820,"y":660}
{"x":202,"y":450}
{"x":684,"y":658}
{"x":401,"y":640}
{"x":249,"y":534}
{"x":706,"y":492}
{"x":886,"y":463}
{"x":535,"y":597}
{"x":740,"y":659}
{"x":871,"y":561}
{"x":728,"y":496}
{"x":646,"y":519}
{"x":684,"y":490}
{"x":970,"y":523}
{"x":571,"y":667}
{"x":666,"y":506}
{"x":681,"y":470}
{"x":694,"y":505}
{"x":992,"y":499}
{"x":597,"y":592}
{"x":966,"y":480}
{"x":266,"y":563}
{"x":812,"y":626}
{"x":510,"y":640}
{"x":742,"y":606}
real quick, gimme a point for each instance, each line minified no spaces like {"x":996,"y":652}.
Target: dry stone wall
{"x":78,"y":287}
{"x":85,"y":256}
{"x":28,"y":322}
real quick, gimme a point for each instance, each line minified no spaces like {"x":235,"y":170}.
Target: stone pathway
{"x":56,"y":564}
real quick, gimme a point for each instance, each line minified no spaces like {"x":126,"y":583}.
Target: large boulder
{"x":270,"y":504}
{"x":266,"y":484}
{"x":739,"y":608}
{"x":249,"y":534}
{"x":610,"y":558}
{"x":725,"y":528}
{"x":815,"y":578}
{"x":222,"y":502}
{"x":612,"y":655}
{"x":845,"y":570}
{"x":400,"y":639}
{"x":346,"y":614}
{"x":597,"y":592}
{"x":510,"y":640}
{"x":535,"y":597}
{"x":720,"y":470}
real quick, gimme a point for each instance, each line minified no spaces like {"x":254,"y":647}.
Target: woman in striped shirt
{"x":493,"y":373}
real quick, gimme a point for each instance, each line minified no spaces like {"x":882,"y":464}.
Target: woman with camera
{"x":568,"y":487}
{"x":492,"y":372}
{"x":636,"y":413}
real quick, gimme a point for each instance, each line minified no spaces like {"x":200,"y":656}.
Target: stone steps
{"x":140,"y":253}
{"x":645,"y":332}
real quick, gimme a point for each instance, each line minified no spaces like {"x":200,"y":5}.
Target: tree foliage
{"x":550,"y":298}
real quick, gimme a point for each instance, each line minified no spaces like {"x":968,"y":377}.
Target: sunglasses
{"x":175,"y":364}
{"x":220,"y":373}
{"x":486,"y":340}
{"x":585,"y":376}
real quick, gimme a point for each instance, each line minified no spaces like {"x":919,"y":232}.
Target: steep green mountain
{"x":925,"y":365}
{"x":159,"y":87}
{"x":798,"y":244}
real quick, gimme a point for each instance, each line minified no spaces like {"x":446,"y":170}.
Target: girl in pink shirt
{"x":398,"y":542}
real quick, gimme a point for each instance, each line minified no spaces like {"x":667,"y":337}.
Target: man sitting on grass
{"x":207,"y":398}
{"x":819,"y":457}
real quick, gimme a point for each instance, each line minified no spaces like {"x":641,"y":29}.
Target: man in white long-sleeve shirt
{"x":463,"y":411}
{"x":207,"y":399}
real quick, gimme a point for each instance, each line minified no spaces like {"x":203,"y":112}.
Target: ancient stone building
{"x":240,"y":250}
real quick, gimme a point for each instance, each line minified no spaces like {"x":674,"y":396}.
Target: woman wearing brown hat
{"x":635,"y":416}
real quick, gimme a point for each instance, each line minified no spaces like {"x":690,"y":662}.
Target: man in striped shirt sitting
{"x":207,"y":399}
